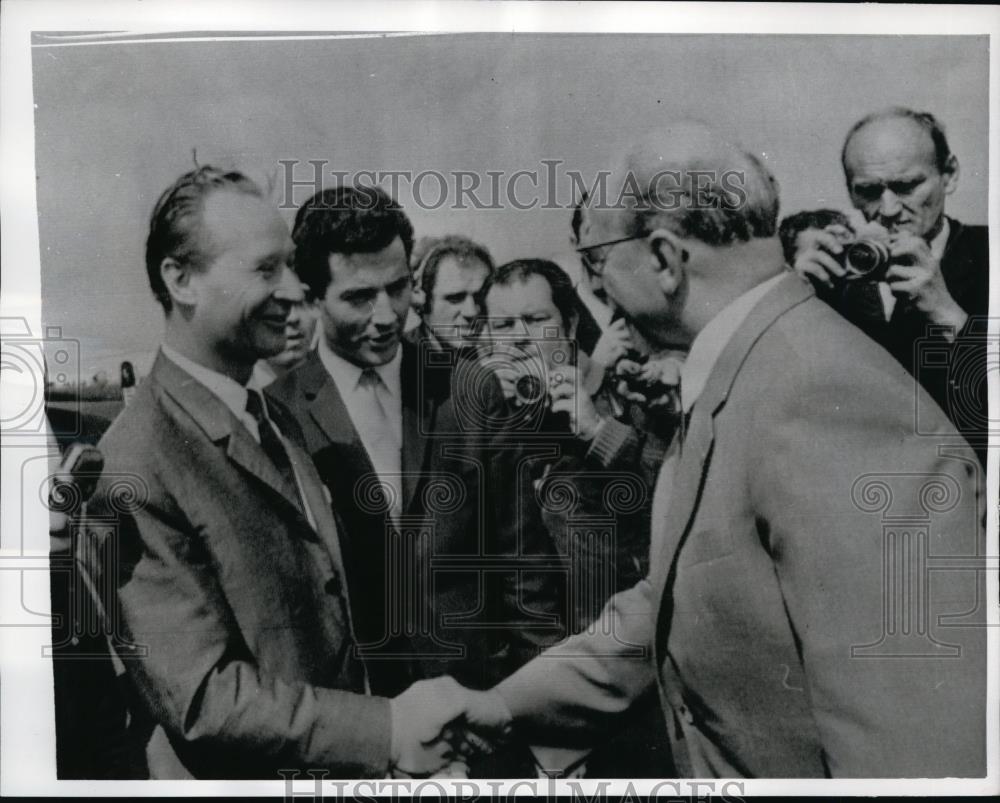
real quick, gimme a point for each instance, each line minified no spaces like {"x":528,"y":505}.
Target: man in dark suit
{"x":590,"y":492}
{"x":930,"y":311}
{"x":213,"y":540}
{"x":787,"y":619}
{"x":408,"y":444}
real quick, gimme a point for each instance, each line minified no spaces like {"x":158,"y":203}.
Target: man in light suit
{"x":776,"y":618}
{"x":224,"y":580}
{"x":407,"y":440}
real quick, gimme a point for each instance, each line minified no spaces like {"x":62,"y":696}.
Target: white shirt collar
{"x":710,"y":342}
{"x":231,"y":392}
{"x":346,"y":375}
{"x":262,"y":376}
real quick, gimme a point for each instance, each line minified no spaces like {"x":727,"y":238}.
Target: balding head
{"x":698,"y":183}
{"x":899,"y":170}
{"x":688,"y":225}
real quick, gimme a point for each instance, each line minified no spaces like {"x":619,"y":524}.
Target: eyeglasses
{"x":594,"y":256}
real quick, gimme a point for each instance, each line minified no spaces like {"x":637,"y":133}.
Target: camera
{"x":866,"y":259}
{"x":43,"y":372}
{"x":528,"y":366}
{"x":529,"y":390}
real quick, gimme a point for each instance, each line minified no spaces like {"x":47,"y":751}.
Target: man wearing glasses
{"x":764,"y":621}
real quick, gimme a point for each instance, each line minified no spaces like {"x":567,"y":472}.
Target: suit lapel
{"x":218,"y":422}
{"x":325,"y":405}
{"x":693,"y":465}
{"x":327,"y":409}
{"x":419,"y":405}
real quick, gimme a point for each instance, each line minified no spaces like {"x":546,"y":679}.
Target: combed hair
{"x":793,"y":225}
{"x":576,"y":221}
{"x":175,"y":225}
{"x":927,"y":121}
{"x":459,"y":248}
{"x":560,"y":285}
{"x":345,"y":220}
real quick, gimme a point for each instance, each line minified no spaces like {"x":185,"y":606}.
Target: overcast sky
{"x":116,"y":123}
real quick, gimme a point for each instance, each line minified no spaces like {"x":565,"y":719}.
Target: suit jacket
{"x":442,"y":589}
{"x":588,"y":330}
{"x":776,"y":619}
{"x":953,"y":373}
{"x":229,"y":606}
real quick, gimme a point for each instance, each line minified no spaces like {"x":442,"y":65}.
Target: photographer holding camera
{"x":912,"y":275}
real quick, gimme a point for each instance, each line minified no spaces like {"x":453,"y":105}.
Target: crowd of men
{"x":385,"y":508}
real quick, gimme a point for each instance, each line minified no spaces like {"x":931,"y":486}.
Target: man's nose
{"x":889,"y":205}
{"x":288,"y":288}
{"x":469,"y":309}
{"x":382,"y":311}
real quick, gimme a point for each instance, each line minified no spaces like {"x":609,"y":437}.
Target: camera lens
{"x":529,"y":389}
{"x":867,"y":258}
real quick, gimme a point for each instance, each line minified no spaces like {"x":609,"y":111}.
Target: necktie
{"x":383,"y":442}
{"x":270,"y":440}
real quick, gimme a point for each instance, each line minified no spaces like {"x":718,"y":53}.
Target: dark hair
{"x":576,"y":221}
{"x":563,"y":294}
{"x":927,"y":121}
{"x":462,"y":249}
{"x":175,"y":225}
{"x":345,"y":220}
{"x":793,"y":225}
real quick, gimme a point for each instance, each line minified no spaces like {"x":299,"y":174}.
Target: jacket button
{"x":333,"y":585}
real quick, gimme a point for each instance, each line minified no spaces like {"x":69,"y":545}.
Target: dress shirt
{"x":358,"y":400}
{"x":937,"y":251}
{"x":262,"y":376}
{"x":706,"y":348}
{"x":231,"y":392}
{"x":234,"y":396}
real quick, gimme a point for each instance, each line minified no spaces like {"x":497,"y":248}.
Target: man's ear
{"x":950,"y":174}
{"x":418,"y":298}
{"x":177,"y":278}
{"x":672,"y":256}
{"x":571,"y":325}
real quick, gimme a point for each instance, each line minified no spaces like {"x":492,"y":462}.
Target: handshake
{"x":439,"y":725}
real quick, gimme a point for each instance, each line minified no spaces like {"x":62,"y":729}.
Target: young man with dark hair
{"x":407,"y":449}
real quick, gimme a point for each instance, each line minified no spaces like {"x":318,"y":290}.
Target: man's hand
{"x":420,"y":716}
{"x":614,"y":343}
{"x":652,"y":384}
{"x":571,"y":397}
{"x":915,"y":279}
{"x":438,"y":724}
{"x":819,"y":256}
{"x":486,"y":722}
